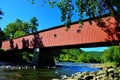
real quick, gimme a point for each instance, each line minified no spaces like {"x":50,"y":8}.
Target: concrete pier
{"x":43,"y":57}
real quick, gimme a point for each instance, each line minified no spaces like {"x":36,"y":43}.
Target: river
{"x":61,"y":69}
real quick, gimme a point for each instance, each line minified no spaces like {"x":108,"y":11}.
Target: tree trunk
{"x":113,"y":12}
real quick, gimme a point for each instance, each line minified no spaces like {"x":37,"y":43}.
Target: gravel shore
{"x":106,"y":73}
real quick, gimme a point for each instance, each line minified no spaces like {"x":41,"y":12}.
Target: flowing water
{"x":63,"y":68}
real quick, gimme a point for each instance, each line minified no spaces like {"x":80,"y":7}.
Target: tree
{"x":1,"y":32}
{"x":87,"y":8}
{"x":20,"y":28}
{"x":12,"y":28}
{"x":33,"y":25}
{"x":116,"y":54}
{"x":107,"y":56}
{"x":111,"y":55}
{"x":68,"y":54}
{"x":1,"y":37}
{"x":19,"y":33}
{"x":1,"y":13}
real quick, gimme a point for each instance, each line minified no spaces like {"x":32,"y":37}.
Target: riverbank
{"x":106,"y":73}
{"x":64,"y":71}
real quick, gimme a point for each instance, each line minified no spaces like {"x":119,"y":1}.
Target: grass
{"x":108,"y":64}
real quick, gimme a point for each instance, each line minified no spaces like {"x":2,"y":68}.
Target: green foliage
{"x":10,"y":56}
{"x":84,"y":8}
{"x":66,"y":9}
{"x":1,"y":13}
{"x":93,"y":56}
{"x":77,"y":55}
{"x":26,"y":55}
{"x":18,"y":57}
{"x":18,"y":34}
{"x":1,"y":34}
{"x":108,"y":64}
{"x":20,"y":28}
{"x":111,"y":55}
{"x":69,"y":54}
{"x":2,"y":37}
{"x":33,"y":25}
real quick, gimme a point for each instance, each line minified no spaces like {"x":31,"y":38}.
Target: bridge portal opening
{"x":83,"y":55}
{"x":89,"y":55}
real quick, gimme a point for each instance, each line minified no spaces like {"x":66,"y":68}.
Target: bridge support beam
{"x":43,"y":57}
{"x":36,"y":55}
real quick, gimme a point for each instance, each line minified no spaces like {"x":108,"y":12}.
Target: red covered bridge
{"x":92,"y":34}
{"x":104,"y":32}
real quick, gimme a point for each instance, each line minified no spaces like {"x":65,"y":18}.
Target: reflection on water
{"x":28,"y":74}
{"x":44,"y":74}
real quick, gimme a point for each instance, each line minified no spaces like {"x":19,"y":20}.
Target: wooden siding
{"x":89,"y":33}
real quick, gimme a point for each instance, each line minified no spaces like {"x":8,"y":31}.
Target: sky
{"x":24,"y":10}
{"x":99,"y":49}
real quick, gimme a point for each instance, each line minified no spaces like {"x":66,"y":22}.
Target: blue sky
{"x":100,"y":49}
{"x":24,"y":10}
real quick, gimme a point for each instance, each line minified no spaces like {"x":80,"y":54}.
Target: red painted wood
{"x":90,"y":33}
